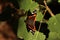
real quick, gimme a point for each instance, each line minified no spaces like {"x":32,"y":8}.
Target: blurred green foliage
{"x":59,"y":1}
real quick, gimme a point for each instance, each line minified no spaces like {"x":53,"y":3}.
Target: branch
{"x":48,"y":9}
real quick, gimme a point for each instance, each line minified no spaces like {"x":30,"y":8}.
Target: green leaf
{"x":28,"y":4}
{"x":39,"y":16}
{"x":36,"y":36}
{"x":22,"y":28}
{"x":54,"y":23}
{"x":54,"y":36}
{"x":54,"y":27}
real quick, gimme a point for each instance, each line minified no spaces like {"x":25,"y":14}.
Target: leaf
{"x":54,"y":27}
{"x":28,"y":4}
{"x":39,"y":16}
{"x":54,"y":36}
{"x":54,"y":23}
{"x":36,"y":36}
{"x":22,"y":28}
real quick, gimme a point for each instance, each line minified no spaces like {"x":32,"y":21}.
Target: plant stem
{"x":48,"y":9}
